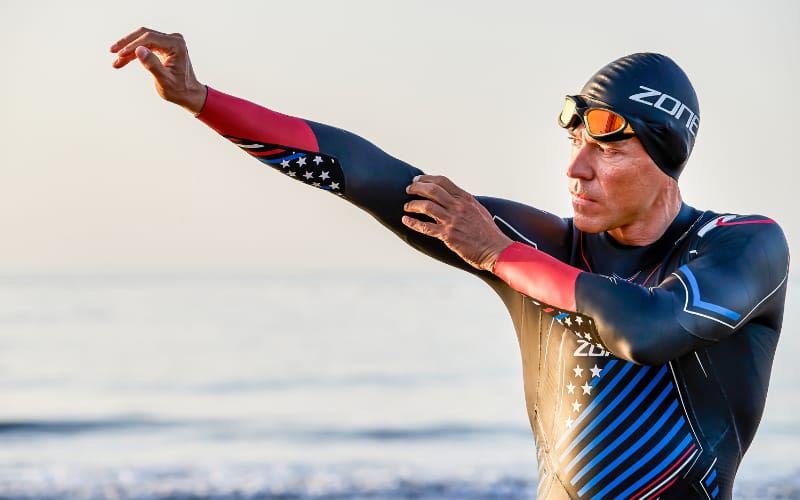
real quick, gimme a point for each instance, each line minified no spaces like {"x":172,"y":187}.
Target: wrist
{"x":196,"y":99}
{"x":491,"y":260}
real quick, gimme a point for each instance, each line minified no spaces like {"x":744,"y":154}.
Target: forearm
{"x":325,"y":157}
{"x":630,"y":321}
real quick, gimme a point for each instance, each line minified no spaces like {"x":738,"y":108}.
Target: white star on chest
{"x":568,"y":321}
{"x":579,"y":320}
{"x":595,"y":371}
{"x":569,"y":421}
{"x":578,"y":371}
{"x":587,"y":389}
{"x":571,"y":388}
{"x":576,"y":407}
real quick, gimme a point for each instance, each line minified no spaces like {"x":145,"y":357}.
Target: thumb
{"x":150,"y":61}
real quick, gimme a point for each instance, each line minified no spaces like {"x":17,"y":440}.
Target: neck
{"x":649,"y":228}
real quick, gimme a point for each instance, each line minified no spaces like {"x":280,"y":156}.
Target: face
{"x":612,"y":184}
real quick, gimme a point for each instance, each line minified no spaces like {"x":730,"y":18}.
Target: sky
{"x":100,"y":175}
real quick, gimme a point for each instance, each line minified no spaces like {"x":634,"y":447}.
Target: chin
{"x":588,"y":224}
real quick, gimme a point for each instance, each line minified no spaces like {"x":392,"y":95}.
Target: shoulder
{"x":752,"y":240}
{"x":528,"y":224}
{"x":723,"y":228}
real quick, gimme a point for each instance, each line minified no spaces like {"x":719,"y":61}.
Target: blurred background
{"x":177,"y":320}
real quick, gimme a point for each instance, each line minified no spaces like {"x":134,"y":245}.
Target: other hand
{"x":463,"y":224}
{"x":165,"y":56}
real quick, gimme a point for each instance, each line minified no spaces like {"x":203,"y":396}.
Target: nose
{"x":580,"y":165}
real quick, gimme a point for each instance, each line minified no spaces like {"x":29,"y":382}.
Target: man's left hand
{"x":463,"y":224}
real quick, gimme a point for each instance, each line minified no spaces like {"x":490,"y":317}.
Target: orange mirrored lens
{"x":602,"y":121}
{"x":567,"y":113}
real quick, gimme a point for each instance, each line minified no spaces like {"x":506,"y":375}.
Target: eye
{"x":575,"y":140}
{"x":607,"y":149}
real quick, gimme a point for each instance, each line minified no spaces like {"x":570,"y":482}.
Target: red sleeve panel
{"x":234,"y":117}
{"x":538,"y":275}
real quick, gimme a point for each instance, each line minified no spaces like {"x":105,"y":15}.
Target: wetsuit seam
{"x":731,"y":417}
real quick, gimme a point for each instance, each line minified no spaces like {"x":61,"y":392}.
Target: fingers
{"x":435,"y":188}
{"x":150,"y":61}
{"x":127,"y":39}
{"x":445,"y":183}
{"x":426,"y":228}
{"x":125,"y":47}
{"x":426,"y":207}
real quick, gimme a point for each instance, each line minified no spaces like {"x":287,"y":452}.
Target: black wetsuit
{"x":646,"y":374}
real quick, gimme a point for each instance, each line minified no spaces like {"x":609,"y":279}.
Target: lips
{"x":580,"y":197}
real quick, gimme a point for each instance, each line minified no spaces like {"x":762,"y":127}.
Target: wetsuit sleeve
{"x":736,"y":274}
{"x":349,"y":166}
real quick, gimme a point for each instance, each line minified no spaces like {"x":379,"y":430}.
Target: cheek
{"x":631,"y":189}
{"x":617,"y":186}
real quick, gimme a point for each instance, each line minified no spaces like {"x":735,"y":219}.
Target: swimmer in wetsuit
{"x":647,"y":327}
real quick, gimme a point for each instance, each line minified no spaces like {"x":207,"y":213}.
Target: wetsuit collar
{"x":634,"y":263}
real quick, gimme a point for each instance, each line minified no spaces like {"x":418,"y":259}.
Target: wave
{"x":266,"y":482}
{"x":244,"y":429}
{"x":68,"y":426}
{"x":296,"y":482}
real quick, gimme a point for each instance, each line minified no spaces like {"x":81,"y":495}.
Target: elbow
{"x":651,"y":345}
{"x":648,"y":353}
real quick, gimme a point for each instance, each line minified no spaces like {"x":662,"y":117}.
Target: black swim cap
{"x":656,"y":97}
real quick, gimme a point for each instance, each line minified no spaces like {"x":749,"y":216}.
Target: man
{"x":647,"y":328}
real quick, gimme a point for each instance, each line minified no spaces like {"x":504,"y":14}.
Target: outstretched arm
{"x":325,"y":157}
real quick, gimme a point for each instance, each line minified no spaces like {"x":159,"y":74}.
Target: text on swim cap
{"x":669,"y":105}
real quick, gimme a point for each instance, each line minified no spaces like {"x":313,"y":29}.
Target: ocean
{"x":367,"y":385}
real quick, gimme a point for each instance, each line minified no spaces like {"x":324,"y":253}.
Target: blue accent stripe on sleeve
{"x":696,"y":302}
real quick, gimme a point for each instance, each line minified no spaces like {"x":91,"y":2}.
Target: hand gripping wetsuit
{"x":645,"y":368}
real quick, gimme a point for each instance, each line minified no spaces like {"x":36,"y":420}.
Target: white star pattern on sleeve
{"x":571,"y":388}
{"x":579,"y":371}
{"x":302,"y":165}
{"x":595,"y":371}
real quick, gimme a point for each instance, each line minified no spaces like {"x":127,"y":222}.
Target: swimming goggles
{"x":601,"y":123}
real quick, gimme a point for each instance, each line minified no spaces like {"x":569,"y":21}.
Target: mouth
{"x":580,"y":196}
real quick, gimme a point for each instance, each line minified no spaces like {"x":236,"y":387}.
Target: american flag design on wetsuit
{"x":582,"y":326}
{"x":621,"y":427}
{"x":315,"y":169}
